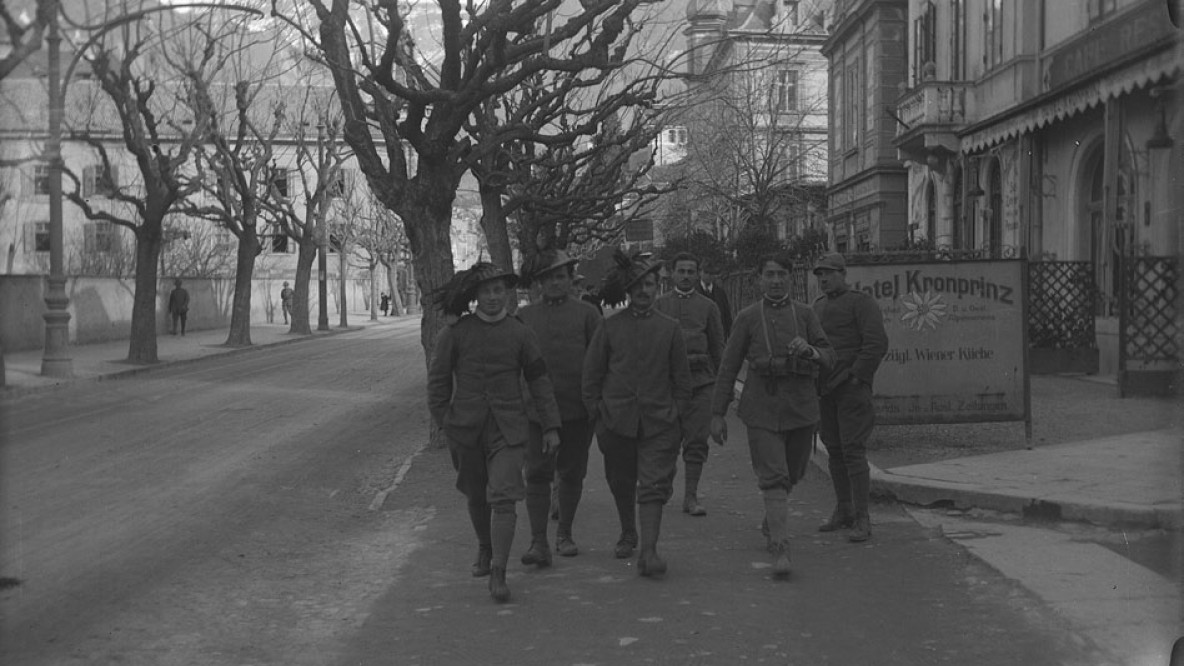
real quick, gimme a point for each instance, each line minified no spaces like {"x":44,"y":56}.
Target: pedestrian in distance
{"x":710,"y":286}
{"x":178,"y":307}
{"x":637,"y":390}
{"x":855,"y":326}
{"x":384,"y":303}
{"x":703,"y":332}
{"x":286,"y":296}
{"x":475,"y":394}
{"x":564,"y":326}
{"x":785,"y":347}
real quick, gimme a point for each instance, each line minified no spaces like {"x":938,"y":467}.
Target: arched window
{"x":956,"y":209}
{"x":995,"y":203}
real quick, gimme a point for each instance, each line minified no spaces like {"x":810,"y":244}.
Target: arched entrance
{"x":1106,"y":244}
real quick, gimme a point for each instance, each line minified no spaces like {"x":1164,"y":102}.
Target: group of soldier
{"x":520,"y":397}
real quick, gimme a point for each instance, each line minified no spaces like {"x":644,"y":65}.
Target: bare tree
{"x":24,"y":37}
{"x":242,"y":111}
{"x":394,"y":94}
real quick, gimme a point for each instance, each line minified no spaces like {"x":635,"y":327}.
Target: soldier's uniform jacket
{"x":564,"y":330}
{"x":636,"y":377}
{"x":477,"y":370}
{"x":702,"y":330}
{"x":855,"y":327}
{"x":779,"y":392}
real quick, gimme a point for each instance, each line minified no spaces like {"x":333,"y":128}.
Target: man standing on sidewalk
{"x":178,"y":306}
{"x":855,"y":327}
{"x":703,"y":333}
{"x":286,"y":296}
{"x":784,"y":346}
{"x":475,"y":394}
{"x":563,"y":325}
{"x":710,"y":287}
{"x":637,"y":387}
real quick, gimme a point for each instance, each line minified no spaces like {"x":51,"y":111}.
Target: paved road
{"x":264,"y":509}
{"x":213,"y":513}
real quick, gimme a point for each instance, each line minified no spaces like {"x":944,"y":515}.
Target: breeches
{"x":779,"y":458}
{"x":645,"y":464}
{"x":571,"y":461}
{"x":697,"y":426}
{"x":846,"y":422}
{"x":491,"y":469}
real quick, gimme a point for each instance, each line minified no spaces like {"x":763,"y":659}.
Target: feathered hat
{"x":626,"y":272}
{"x":454,"y":297}
{"x":545,"y":262}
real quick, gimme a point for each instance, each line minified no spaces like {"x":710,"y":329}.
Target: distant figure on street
{"x":384,"y":303}
{"x":703,"y":332}
{"x":784,"y":345}
{"x":286,"y":296}
{"x":475,"y":395}
{"x":710,"y":286}
{"x":178,"y":306}
{"x":564,"y":326}
{"x":855,"y":326}
{"x":637,"y":390}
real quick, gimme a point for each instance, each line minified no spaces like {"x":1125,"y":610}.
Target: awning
{"x":1061,"y":106}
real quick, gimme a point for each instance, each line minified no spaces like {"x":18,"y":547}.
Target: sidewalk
{"x":94,"y":362}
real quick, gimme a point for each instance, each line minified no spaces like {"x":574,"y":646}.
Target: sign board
{"x":957,"y":340}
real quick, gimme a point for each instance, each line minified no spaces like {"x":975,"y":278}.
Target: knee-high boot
{"x":777,"y":515}
{"x":844,"y":515}
{"x":690,"y":501}
{"x":502,"y":536}
{"x":538,"y":504}
{"x":861,"y":496}
{"x":479,"y":515}
{"x":569,"y":501}
{"x":648,"y":562}
{"x":627,"y":514}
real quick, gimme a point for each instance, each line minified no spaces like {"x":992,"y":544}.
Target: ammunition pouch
{"x":784,"y":366}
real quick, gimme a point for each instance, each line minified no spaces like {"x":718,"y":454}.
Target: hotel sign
{"x":956,"y":340}
{"x":1136,"y":30}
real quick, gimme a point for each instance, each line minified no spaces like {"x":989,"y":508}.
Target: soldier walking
{"x":475,"y":395}
{"x":855,"y":326}
{"x":637,"y":386}
{"x":563,"y":325}
{"x":703,"y":333}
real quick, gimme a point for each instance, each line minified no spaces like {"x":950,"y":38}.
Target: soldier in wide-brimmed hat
{"x":475,"y":395}
{"x":564,"y":326}
{"x":637,"y":387}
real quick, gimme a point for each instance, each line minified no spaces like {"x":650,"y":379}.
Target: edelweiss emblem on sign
{"x":922,"y":310}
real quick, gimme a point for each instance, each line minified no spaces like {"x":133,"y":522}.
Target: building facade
{"x":866,"y":198}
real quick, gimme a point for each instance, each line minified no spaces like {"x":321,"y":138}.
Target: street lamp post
{"x":55,"y":360}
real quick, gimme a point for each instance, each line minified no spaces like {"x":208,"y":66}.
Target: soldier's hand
{"x":719,"y":430}
{"x":550,"y":442}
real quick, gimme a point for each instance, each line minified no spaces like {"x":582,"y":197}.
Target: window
{"x":871,"y":81}
{"x":958,"y":40}
{"x":38,"y":237}
{"x":279,"y":181}
{"x":342,"y":185}
{"x":40,"y":180}
{"x":101,"y":237}
{"x":1101,"y":9}
{"x":279,"y":243}
{"x":993,"y":33}
{"x":925,"y":45}
{"x":99,"y":182}
{"x":793,"y":159}
{"x":839,"y":110}
{"x":676,"y":136}
{"x":786,"y":90}
{"x":851,"y":108}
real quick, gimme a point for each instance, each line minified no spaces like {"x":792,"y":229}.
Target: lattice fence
{"x":1150,"y":325}
{"x":1061,"y":305}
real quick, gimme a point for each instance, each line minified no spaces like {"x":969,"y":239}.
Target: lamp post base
{"x":55,"y":359}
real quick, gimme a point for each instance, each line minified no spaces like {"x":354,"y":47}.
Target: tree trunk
{"x":142,"y":343}
{"x":240,"y":311}
{"x":342,"y":268}
{"x":373,"y":294}
{"x":306,"y":255}
{"x":493,"y":223}
{"x":392,"y":278}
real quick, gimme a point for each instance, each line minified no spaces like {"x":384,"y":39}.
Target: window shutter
{"x":89,"y":238}
{"x":89,"y":180}
{"x":30,"y":240}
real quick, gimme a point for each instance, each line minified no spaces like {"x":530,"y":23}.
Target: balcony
{"x":928,"y":118}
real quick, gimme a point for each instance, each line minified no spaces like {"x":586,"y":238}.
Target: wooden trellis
{"x":1062,"y":329}
{"x":1149,"y":326}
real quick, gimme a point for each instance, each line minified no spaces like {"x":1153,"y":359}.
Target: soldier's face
{"x":774,"y":280}
{"x":491,"y":297}
{"x":686,"y":274}
{"x":642,"y":294}
{"x":556,"y":283}
{"x":830,"y":281}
